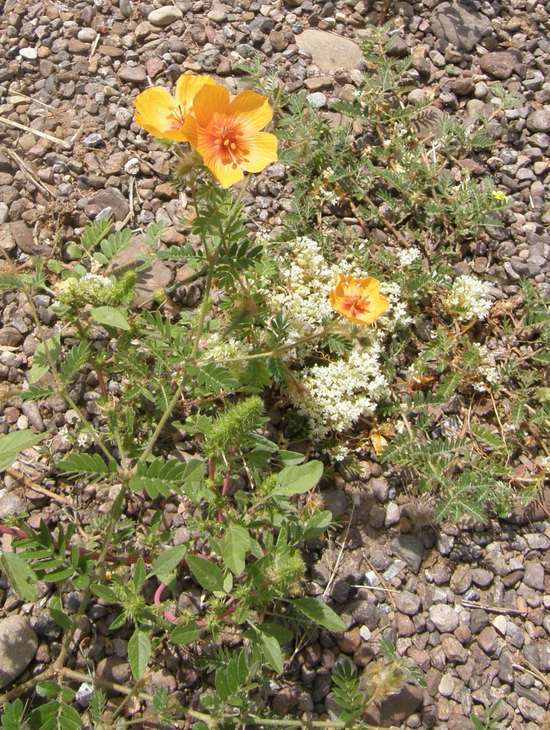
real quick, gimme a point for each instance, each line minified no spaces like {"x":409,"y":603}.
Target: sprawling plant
{"x":360,"y":340}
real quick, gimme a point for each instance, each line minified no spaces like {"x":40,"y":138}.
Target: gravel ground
{"x":467,"y":605}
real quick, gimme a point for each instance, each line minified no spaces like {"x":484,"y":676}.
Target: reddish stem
{"x":156,"y":600}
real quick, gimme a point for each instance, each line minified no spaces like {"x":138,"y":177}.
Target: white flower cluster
{"x":336,"y":395}
{"x":302,"y":292}
{"x":397,"y":315}
{"x":222,"y":348}
{"x":469,"y":298}
{"x":487,"y":369}
{"x":407,"y":256}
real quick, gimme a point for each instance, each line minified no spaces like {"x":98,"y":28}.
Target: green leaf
{"x":12,"y":716}
{"x":22,"y":577}
{"x":317,"y":524}
{"x":139,"y":574}
{"x":94,"y":233}
{"x":55,"y":716}
{"x":214,"y":378}
{"x":74,"y":360}
{"x":14,"y":281}
{"x":80,"y":463}
{"x":115,"y":243}
{"x":206,"y":573}
{"x":159,"y":477}
{"x":104,"y":592}
{"x":164,"y":567}
{"x":40,"y":362}
{"x":183,"y":635}
{"x":231,"y":677}
{"x":234,"y":546}
{"x":272,"y":652}
{"x":320,"y":613}
{"x":12,"y":444}
{"x":111,"y":317}
{"x":139,"y":653}
{"x":298,"y":479}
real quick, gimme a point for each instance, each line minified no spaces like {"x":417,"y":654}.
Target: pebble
{"x":18,"y":646}
{"x":499,"y":64}
{"x":444,"y":618}
{"x":539,"y":120}
{"x":317,"y":99}
{"x":31,"y":54}
{"x":165,"y":16}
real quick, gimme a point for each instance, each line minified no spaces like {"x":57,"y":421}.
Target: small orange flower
{"x":358,"y":299}
{"x":165,"y":116}
{"x":227,"y":133}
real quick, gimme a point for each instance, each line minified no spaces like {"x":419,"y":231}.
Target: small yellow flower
{"x":227,"y":133}
{"x":165,"y":116}
{"x":499,"y":196}
{"x":358,"y":299}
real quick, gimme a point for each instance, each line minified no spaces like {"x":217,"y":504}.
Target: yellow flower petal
{"x":253,"y":109}
{"x":226,"y":175}
{"x":263,"y":151}
{"x":187,"y":87}
{"x":153,"y":109}
{"x":210,"y":99}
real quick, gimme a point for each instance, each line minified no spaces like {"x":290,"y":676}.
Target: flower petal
{"x":210,"y":99}
{"x":252,"y":115}
{"x":262,"y":151}
{"x":226,"y":175}
{"x":154,"y":107}
{"x":187,"y":87}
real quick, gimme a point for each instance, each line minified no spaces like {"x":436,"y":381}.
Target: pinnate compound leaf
{"x":139,"y":653}
{"x":214,"y":378}
{"x":230,"y":678}
{"x":12,"y":444}
{"x":55,"y":715}
{"x":94,"y":233}
{"x":320,"y":613}
{"x":81,"y":463}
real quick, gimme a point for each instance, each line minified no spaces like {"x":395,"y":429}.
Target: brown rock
{"x":330,"y":51}
{"x":499,"y":64}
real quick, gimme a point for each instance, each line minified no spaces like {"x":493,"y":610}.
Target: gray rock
{"x":393,"y":514}
{"x":29,"y":53}
{"x":489,"y":641}
{"x":330,"y":51}
{"x":531,"y":711}
{"x":454,"y":651}
{"x":411,"y":549}
{"x":4,"y":210}
{"x":133,"y":74}
{"x":539,"y":120}
{"x":18,"y":645}
{"x":155,"y":277}
{"x":113,"y":669}
{"x":30,"y":409}
{"x":534,"y":575}
{"x":380,"y":488}
{"x":444,"y":618}
{"x":317,"y":99}
{"x":23,"y":237}
{"x":459,"y":25}
{"x":336,"y":501}
{"x":11,"y":504}
{"x":218,"y":14}
{"x":408,"y":603}
{"x":108,"y":198}
{"x":499,"y":64}
{"x":162,"y":17}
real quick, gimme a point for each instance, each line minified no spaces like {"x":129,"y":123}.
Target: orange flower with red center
{"x":165,"y":116}
{"x":227,"y":133}
{"x":358,"y":299}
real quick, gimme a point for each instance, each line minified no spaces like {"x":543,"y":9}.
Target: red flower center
{"x":356,"y":304}
{"x":226,"y":140}
{"x":177,"y":119}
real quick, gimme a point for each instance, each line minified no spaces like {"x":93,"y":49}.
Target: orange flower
{"x":165,"y":116}
{"x":358,"y":299}
{"x":227,"y":133}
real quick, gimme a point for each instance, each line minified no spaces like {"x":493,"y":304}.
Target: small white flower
{"x":469,"y":298}
{"x":408,"y":255}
